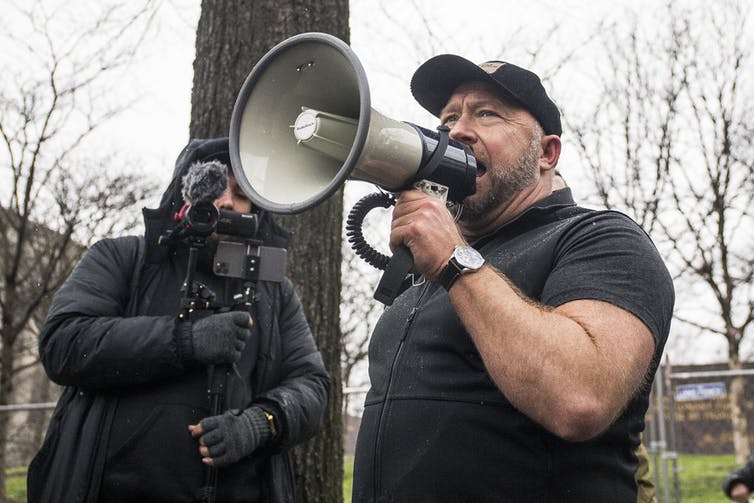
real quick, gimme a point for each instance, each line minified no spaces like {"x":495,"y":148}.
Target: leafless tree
{"x":59,"y":192}
{"x":359,"y":310}
{"x":668,"y":139}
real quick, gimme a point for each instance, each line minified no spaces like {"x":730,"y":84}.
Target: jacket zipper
{"x":387,"y":401}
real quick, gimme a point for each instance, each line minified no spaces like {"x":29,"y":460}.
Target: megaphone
{"x":303,"y":124}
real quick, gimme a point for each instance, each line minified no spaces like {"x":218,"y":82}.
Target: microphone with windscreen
{"x":203,"y":183}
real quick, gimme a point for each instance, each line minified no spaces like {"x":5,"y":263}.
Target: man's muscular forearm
{"x":572,"y":368}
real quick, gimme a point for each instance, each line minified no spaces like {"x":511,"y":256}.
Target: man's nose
{"x":462,"y":131}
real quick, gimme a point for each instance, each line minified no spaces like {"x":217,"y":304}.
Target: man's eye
{"x":488,"y":113}
{"x":449,"y":118}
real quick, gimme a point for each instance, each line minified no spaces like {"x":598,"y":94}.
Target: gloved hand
{"x":220,"y":338}
{"x":233,"y":435}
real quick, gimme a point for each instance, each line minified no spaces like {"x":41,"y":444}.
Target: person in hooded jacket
{"x":738,"y":485}
{"x":133,"y":422}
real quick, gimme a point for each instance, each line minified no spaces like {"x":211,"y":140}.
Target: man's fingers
{"x":196,"y":430}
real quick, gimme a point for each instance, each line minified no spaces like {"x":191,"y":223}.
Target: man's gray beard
{"x":505,"y":183}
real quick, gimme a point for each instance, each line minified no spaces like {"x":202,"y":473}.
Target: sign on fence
{"x":700,"y":391}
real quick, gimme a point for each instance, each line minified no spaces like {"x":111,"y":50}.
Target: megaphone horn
{"x":302,"y":125}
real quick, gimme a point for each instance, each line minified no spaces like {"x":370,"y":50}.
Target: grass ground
{"x":15,"y":484}
{"x":701,"y":478}
{"x":347,"y":478}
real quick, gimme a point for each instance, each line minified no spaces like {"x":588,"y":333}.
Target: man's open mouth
{"x":481,"y":169}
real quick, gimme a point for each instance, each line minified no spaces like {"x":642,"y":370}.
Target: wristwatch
{"x":464,"y":260}
{"x":271,"y":420}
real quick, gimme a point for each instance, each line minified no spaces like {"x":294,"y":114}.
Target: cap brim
{"x":434,"y":81}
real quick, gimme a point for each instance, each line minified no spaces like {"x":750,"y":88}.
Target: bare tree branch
{"x":63,"y":193}
{"x":682,"y":159}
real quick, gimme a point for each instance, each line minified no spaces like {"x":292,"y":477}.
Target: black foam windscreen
{"x":204,"y":181}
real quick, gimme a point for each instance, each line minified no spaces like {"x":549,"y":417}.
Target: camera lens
{"x":201,"y":218}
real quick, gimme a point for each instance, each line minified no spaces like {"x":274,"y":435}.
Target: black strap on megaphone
{"x":402,"y":262}
{"x":437,"y":156}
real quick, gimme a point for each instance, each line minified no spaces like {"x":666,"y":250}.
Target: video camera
{"x":239,"y":253}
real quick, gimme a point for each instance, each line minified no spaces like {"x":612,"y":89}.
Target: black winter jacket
{"x":131,"y":384}
{"x":744,"y":475}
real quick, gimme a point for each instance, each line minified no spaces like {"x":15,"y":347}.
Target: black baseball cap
{"x":434,"y":82}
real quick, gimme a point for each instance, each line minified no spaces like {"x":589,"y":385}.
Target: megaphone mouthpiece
{"x":327,"y":133}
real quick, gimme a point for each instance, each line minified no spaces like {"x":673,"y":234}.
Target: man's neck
{"x":506,"y":212}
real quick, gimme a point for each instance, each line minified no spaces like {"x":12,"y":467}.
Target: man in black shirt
{"x":520,"y":370}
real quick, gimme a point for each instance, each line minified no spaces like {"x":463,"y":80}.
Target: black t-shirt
{"x":436,"y":428}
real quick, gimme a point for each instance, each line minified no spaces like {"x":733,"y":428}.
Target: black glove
{"x":220,"y":338}
{"x":234,"y":434}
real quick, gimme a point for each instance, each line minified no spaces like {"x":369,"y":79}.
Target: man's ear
{"x":550,"y":152}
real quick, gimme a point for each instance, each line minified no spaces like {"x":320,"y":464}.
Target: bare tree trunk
{"x":231,"y":37}
{"x":315,"y":268}
{"x":737,"y":414}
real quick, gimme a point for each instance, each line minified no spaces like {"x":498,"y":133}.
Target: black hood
{"x":157,"y":221}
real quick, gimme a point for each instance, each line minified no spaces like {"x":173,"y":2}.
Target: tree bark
{"x":232,"y":36}
{"x":741,"y":447}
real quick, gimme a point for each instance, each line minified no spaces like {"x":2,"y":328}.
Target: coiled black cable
{"x":354,"y":223}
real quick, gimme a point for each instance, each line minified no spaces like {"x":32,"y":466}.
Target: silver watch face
{"x":468,"y":258}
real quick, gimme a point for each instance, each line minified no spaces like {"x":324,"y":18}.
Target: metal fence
{"x":689,"y":419}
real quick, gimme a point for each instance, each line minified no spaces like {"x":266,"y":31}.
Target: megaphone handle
{"x":391,"y":283}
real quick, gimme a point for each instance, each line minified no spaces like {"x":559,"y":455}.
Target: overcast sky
{"x":390,"y":37}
